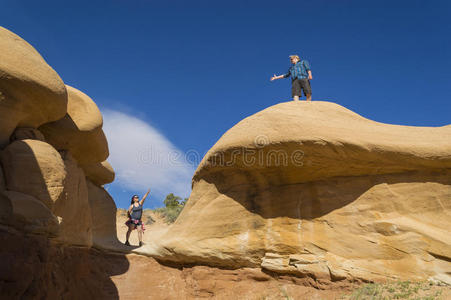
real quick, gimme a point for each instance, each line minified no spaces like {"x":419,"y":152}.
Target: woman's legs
{"x":140,"y":234}
{"x":130,"y":229}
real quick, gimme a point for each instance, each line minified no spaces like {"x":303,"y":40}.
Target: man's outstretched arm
{"x":279,"y":76}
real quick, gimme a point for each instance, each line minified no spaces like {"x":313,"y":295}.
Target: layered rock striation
{"x":314,"y":189}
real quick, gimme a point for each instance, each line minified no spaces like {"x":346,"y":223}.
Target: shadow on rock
{"x":32,"y":267}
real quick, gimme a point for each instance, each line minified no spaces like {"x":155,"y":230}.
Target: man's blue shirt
{"x":298,"y":70}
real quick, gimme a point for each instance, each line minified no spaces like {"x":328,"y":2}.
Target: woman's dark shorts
{"x":298,"y":85}
{"x":134,"y":222}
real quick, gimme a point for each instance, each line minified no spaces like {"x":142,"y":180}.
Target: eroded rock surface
{"x":31,"y":215}
{"x":80,"y":130}
{"x":99,"y":173}
{"x":2,"y":176}
{"x":31,"y":92}
{"x":42,"y":179}
{"x":316,"y":190}
{"x":33,"y":267}
{"x":103,"y":214}
{"x":27,"y":133}
{"x":6,"y":209}
{"x":73,"y":207}
{"x":35,"y":168}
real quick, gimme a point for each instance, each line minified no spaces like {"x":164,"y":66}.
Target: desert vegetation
{"x":399,"y":290}
{"x":172,"y":209}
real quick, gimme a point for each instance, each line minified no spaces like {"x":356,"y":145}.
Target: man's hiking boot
{"x":140,"y":244}
{"x":127,"y":243}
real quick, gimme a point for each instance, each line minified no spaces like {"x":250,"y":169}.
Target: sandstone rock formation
{"x":305,"y":189}
{"x":32,"y":215}
{"x":6,"y":209}
{"x":27,"y":133}
{"x":80,"y":131}
{"x":103,"y":214}
{"x":313,"y":189}
{"x":35,"y":168}
{"x":46,"y":208}
{"x":99,"y":173}
{"x":73,"y":206}
{"x":43,"y":187}
{"x":2,"y":177}
{"x":31,"y":92}
{"x":33,"y":267}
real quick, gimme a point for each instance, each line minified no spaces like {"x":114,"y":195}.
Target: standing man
{"x":301,"y":74}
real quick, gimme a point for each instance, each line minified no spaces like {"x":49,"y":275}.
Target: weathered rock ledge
{"x":313,"y":189}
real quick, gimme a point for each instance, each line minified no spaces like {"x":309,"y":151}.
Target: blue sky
{"x":180,"y":73}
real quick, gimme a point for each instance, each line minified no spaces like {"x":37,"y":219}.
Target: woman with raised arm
{"x":135,"y":212}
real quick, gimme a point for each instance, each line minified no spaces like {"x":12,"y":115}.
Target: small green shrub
{"x":149,"y":220}
{"x":173,"y":207}
{"x":395,"y":290}
{"x":170,"y":214}
{"x":284,"y":294}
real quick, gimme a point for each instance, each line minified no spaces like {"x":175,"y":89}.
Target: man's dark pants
{"x":298,"y":85}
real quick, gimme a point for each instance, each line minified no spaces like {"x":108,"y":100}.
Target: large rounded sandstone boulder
{"x":31,"y":215}
{"x":80,"y":131}
{"x":35,"y":168}
{"x":314,"y":189}
{"x":31,"y":92}
{"x":103,"y":214}
{"x":72,"y":207}
{"x":99,"y":173}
